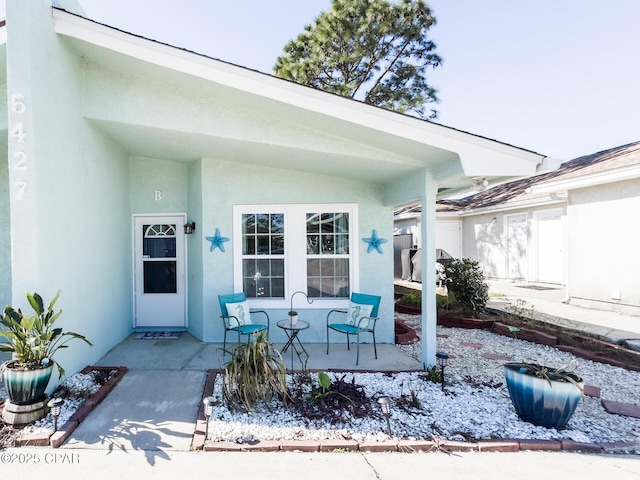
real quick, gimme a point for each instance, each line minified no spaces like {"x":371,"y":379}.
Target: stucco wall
{"x":71,"y":230}
{"x":5,"y":228}
{"x":603,"y":245}
{"x":226,"y":184}
{"x":483,"y":238}
{"x":148,"y":176}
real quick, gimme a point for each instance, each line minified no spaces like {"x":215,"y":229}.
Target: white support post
{"x":428,"y":234}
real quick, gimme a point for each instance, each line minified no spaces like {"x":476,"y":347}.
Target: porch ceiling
{"x":153,"y":142}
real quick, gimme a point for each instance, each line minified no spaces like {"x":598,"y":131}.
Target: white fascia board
{"x":407,"y":216}
{"x":600,"y":178}
{"x":468,"y":146}
{"x":550,"y":200}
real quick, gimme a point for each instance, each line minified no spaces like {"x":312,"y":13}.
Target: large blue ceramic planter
{"x":26,"y":387}
{"x":540,"y":401}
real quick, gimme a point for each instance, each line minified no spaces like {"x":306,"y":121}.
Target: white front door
{"x":550,"y":260}
{"x":159,"y":258}
{"x":517,"y":238}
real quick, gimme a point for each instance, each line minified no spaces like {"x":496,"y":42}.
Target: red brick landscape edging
{"x":57,"y":438}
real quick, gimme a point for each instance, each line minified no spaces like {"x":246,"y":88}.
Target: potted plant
{"x":293,"y":317}
{"x":33,"y":341}
{"x":542,"y":395}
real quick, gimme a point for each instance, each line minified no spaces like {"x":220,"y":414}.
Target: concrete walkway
{"x":545,"y":302}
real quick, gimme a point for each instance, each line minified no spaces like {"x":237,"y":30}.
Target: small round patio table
{"x":292,"y":330}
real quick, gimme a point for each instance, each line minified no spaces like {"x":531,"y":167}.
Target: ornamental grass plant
{"x":255,"y":374}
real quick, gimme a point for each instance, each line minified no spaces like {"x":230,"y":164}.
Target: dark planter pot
{"x":540,"y":401}
{"x":26,"y":387}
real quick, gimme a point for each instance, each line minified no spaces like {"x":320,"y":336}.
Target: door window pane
{"x":160,"y":277}
{"x":159,"y":242}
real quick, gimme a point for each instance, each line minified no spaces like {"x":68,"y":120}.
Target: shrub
{"x":465,"y":279}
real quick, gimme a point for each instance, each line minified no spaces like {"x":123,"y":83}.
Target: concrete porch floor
{"x":188,"y":353}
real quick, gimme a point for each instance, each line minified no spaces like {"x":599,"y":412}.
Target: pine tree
{"x":370,"y":50}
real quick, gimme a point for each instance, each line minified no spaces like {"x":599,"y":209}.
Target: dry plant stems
{"x":556,"y":374}
{"x":255,"y":374}
{"x":521,"y":311}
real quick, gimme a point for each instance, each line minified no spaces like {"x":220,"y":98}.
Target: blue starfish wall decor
{"x":217,"y":241}
{"x":374,"y":242}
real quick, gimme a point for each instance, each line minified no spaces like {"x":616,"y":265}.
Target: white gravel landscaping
{"x":474,"y":406}
{"x":79,"y":387}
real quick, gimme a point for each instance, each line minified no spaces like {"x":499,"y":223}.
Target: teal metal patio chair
{"x":360,"y":318}
{"x":237,"y":317}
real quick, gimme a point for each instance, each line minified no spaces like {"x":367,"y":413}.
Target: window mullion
{"x":296,"y":256}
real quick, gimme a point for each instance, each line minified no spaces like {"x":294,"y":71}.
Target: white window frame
{"x":295,"y":265}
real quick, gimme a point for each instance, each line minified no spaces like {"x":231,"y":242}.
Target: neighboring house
{"x":576,"y":226}
{"x":116,"y":141}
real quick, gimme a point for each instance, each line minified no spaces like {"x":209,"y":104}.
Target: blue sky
{"x":560,"y":77}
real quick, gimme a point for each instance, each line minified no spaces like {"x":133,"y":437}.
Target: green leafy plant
{"x":432,"y":374}
{"x":414,"y":298}
{"x":465,"y":279}
{"x":292,"y":313}
{"x":318,"y":394}
{"x":33,"y":339}
{"x":255,"y":374}
{"x":445,"y":301}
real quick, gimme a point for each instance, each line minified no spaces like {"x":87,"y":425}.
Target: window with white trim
{"x":279,"y":249}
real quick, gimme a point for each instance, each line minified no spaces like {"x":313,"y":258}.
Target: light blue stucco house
{"x":114,"y":142}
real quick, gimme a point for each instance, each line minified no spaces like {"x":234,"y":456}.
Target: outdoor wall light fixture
{"x":385,"y":406}
{"x":189,"y":228}
{"x":480,"y":183}
{"x":208,"y":403}
{"x":55,"y":407}
{"x":442,"y":358}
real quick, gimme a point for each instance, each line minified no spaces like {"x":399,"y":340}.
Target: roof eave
{"x":620,"y":174}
